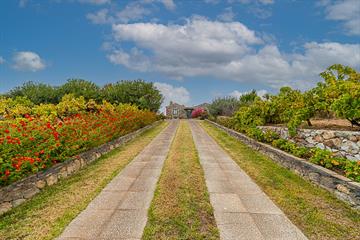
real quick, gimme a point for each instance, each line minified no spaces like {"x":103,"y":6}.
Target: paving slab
{"x":241,"y":209}
{"x":120,"y":210}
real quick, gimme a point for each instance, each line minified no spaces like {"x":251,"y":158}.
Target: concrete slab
{"x":275,"y":226}
{"x":226,"y":202}
{"x":242,"y":210}
{"x":120,"y":210}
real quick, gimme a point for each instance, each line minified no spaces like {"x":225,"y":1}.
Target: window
{"x":175,"y":111}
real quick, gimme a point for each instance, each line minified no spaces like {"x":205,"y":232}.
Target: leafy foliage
{"x":224,"y":106}
{"x":143,"y":94}
{"x":33,"y":138}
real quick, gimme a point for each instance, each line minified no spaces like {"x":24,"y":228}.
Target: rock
{"x":315,"y":177}
{"x":73,"y":166}
{"x":30,"y":192}
{"x":40,"y":184}
{"x":357,"y":156}
{"x":337,"y":142}
{"x":51,"y":180}
{"x":328,"y":135}
{"x":350,"y":157}
{"x":4,"y":207}
{"x":310,"y":140}
{"x":17,"y":202}
{"x":342,"y":188}
{"x":353,"y":138}
{"x":63,"y":172}
{"x":318,"y":138}
{"x":320,"y":145}
{"x":329,"y":143}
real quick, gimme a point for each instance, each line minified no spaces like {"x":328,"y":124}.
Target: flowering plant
{"x":35,"y":141}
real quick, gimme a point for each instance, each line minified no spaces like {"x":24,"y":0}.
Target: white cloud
{"x":100,"y":17}
{"x":346,"y":11}
{"x":176,"y":94}
{"x":2,"y":60}
{"x":132,"y":11}
{"x":96,"y":2}
{"x":237,"y":94}
{"x":22,"y":3}
{"x":227,"y":15}
{"x":28,"y":61}
{"x":226,"y":51}
{"x":264,"y":2}
{"x":169,"y":4}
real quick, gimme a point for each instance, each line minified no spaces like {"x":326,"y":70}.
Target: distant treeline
{"x":143,"y":94}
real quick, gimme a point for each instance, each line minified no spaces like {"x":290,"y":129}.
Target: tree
{"x":35,"y":92}
{"x":248,"y":98}
{"x":340,"y":92}
{"x":80,"y":87}
{"x":225,"y":106}
{"x":143,"y":94}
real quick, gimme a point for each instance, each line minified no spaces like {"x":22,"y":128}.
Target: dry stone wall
{"x":342,"y":143}
{"x":343,"y":188}
{"x":18,"y":192}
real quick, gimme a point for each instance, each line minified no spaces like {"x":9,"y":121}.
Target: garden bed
{"x":20,"y":191}
{"x":344,"y":188}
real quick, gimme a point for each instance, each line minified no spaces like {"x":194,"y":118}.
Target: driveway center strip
{"x":120,"y":210}
{"x":242,"y":210}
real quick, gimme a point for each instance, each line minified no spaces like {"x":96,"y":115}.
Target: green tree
{"x":35,"y":92}
{"x":225,"y":106}
{"x":80,"y":88}
{"x":143,"y":94}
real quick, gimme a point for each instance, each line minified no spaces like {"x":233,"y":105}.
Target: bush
{"x":48,"y":134}
{"x":143,"y":94}
{"x":199,"y":113}
{"x":223,"y":106}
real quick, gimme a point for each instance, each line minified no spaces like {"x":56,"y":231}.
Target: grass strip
{"x":318,"y":213}
{"x":48,"y":213}
{"x":181,"y":207}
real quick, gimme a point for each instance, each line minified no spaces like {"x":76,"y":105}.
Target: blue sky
{"x":194,"y":51}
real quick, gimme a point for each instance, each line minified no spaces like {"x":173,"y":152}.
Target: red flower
{"x":7,"y":131}
{"x":7,"y":172}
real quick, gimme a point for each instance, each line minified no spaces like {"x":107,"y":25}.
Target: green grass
{"x":48,"y":213}
{"x":318,"y":213}
{"x":181,"y":207}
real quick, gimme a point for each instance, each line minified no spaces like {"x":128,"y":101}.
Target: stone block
{"x":342,"y":188}
{"x":40,"y":184}
{"x":4,"y":207}
{"x":51,"y":180}
{"x":31,"y":192}
{"x":17,"y":202}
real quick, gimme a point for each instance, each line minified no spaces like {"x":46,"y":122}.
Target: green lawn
{"x":181,"y":207}
{"x":48,"y":213}
{"x":318,"y":213}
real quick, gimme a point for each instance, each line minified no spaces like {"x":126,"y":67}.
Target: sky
{"x":193,"y":50}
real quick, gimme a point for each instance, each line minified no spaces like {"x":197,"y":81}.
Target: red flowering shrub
{"x":199,"y":112}
{"x":32,"y":143}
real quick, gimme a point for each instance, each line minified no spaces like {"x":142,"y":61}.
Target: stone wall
{"x":342,"y":143}
{"x":345,"y":189}
{"x":18,"y":192}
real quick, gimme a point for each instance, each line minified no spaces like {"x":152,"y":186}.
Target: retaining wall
{"x":342,"y":143}
{"x":20,"y":191}
{"x":345,"y":189}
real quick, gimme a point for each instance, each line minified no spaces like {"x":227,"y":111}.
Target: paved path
{"x":241,"y":208}
{"x":120,"y":210}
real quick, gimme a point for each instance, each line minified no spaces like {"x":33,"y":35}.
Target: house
{"x":175,"y":110}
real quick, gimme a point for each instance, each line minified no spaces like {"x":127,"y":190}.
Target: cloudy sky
{"x":194,"y":50}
